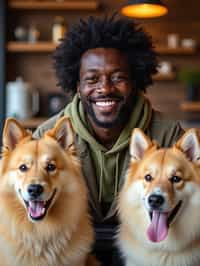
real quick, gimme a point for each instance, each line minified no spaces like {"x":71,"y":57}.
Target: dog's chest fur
{"x":137,"y":255}
{"x":34,"y":251}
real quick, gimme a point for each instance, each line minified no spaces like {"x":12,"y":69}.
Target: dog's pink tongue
{"x":36,"y":208}
{"x":158,"y":228}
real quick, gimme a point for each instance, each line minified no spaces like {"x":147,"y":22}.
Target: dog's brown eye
{"x":148,"y":178}
{"x":23,"y":168}
{"x":175,"y":179}
{"x":50,"y":167}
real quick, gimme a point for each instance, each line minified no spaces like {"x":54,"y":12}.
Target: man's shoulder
{"x":164,"y":129}
{"x":48,"y":124}
{"x":160,"y":119}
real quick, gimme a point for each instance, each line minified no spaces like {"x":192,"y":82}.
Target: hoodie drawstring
{"x":101,"y":178}
{"x":116,"y":175}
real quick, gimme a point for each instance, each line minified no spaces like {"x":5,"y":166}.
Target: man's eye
{"x":119,"y":78}
{"x":91,"y":80}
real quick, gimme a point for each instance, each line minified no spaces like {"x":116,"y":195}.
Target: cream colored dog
{"x":43,"y":200}
{"x":159,"y":205}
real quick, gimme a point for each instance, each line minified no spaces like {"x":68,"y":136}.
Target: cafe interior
{"x":30,"y":30}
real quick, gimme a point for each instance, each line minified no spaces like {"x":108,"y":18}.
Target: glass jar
{"x":58,"y":29}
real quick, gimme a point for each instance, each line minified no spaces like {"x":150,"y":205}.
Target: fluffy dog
{"x":43,"y":200}
{"x":159,"y":205}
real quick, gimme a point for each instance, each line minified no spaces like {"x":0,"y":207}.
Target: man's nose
{"x":105,"y":86}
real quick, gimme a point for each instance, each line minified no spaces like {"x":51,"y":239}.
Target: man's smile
{"x":106,"y":105}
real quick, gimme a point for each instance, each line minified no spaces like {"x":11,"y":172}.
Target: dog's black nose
{"x":35,"y":190}
{"x":155,"y":201}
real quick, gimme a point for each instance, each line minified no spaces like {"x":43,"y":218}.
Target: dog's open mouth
{"x":160,"y":222}
{"x":38,"y":209}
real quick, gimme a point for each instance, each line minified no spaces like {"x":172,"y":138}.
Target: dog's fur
{"x":64,"y":235}
{"x":157,"y":180}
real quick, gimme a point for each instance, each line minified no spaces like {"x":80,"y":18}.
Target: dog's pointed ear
{"x":189,"y":143}
{"x":13,"y":133}
{"x":139,"y":144}
{"x":62,"y":132}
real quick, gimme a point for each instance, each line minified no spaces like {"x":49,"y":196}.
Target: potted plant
{"x":191,"y":78}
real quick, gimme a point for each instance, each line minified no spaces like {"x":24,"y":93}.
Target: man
{"x":106,"y":64}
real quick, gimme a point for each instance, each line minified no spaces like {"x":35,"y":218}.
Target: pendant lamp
{"x":144,"y":9}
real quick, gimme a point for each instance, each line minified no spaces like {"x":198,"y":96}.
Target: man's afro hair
{"x":111,"y":32}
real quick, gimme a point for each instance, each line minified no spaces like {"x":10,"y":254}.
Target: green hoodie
{"x":108,"y":163}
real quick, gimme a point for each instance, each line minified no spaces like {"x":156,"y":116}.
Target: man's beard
{"x":122,"y":115}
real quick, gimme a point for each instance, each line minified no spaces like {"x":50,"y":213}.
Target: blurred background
{"x":31,"y":29}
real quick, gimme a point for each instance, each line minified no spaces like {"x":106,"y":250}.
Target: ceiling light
{"x":144,"y":9}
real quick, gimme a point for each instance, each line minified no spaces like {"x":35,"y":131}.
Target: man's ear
{"x":189,"y":143}
{"x":139,"y":144}
{"x":62,"y":132}
{"x":13,"y":133}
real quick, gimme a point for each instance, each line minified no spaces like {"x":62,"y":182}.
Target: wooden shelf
{"x":164,"y":77}
{"x":33,"y":122}
{"x":23,"y":47}
{"x":191,"y":106}
{"x":175,"y":51}
{"x":53,"y":5}
{"x":45,"y":46}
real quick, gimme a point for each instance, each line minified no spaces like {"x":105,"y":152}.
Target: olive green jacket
{"x":161,"y":129}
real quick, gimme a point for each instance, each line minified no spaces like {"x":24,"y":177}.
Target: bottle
{"x":59,"y":29}
{"x":33,"y":34}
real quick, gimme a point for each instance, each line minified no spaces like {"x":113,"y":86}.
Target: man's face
{"x":105,"y":87}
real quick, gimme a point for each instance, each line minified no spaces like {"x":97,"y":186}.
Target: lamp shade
{"x":144,"y":9}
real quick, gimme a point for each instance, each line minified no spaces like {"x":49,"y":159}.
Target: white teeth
{"x":107,"y":103}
